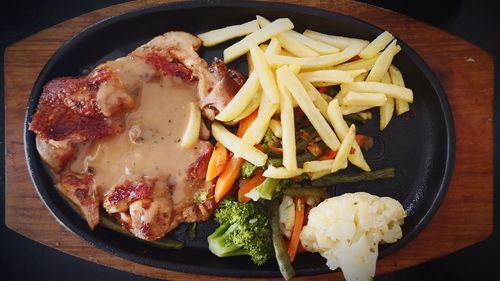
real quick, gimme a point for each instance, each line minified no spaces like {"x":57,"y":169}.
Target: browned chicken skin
{"x":72,"y":113}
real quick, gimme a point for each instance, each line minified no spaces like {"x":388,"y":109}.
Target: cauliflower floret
{"x":347,"y":229}
{"x":287,"y":216}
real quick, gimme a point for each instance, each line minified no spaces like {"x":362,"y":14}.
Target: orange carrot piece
{"x":277,"y":150}
{"x":330,"y":154}
{"x":253,"y":182}
{"x":232,"y":170}
{"x":217,"y":162}
{"x":297,"y":227}
{"x":245,"y":123}
{"x":361,"y":140}
{"x":227,"y":178}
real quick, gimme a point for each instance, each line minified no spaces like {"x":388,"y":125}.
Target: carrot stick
{"x":330,"y":154}
{"x":249,"y":185}
{"x":232,"y":170}
{"x":217,"y":162}
{"x":297,"y":227}
{"x":277,"y":150}
{"x":245,"y":123}
{"x":227,"y":178}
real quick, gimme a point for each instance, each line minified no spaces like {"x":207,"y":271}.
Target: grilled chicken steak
{"x":112,"y":137}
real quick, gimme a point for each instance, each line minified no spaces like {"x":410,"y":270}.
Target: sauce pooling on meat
{"x":150,"y":144}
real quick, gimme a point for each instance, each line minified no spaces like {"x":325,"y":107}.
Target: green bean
{"x":280,"y":251}
{"x":191,"y":232}
{"x":301,"y":158}
{"x":302,"y":143}
{"x":306,"y":191}
{"x":164,"y":242}
{"x":333,"y":179}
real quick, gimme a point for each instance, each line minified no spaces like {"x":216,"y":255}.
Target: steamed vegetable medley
{"x":288,"y":135}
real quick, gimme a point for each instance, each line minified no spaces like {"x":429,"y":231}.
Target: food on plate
{"x":110,"y":136}
{"x":310,"y":94}
{"x":347,"y":229}
{"x":244,"y":230}
{"x":133,"y":136}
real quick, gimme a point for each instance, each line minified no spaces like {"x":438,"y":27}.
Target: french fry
{"x":288,"y":128}
{"x":258,"y":128}
{"x":348,"y":109}
{"x":316,"y":62}
{"x":305,"y":103}
{"x":340,"y":160}
{"x":341,"y":129}
{"x":331,"y":76}
{"x":214,"y":37}
{"x":265,"y":74}
{"x":363,"y":63}
{"x":281,"y":172}
{"x":241,"y":100}
{"x":326,"y":98}
{"x":376,"y":45}
{"x":364,"y":99}
{"x":389,"y":90}
{"x":274,"y":47}
{"x":387,"y":109}
{"x":358,"y":64}
{"x":259,"y":36}
{"x":316,"y":97}
{"x":231,"y":142}
{"x":344,"y":89}
{"x":314,"y":44}
{"x":317,"y":166}
{"x":361,"y":77}
{"x":192,"y":132}
{"x":251,"y":107}
{"x":317,"y":175}
{"x":275,"y":126}
{"x":249,"y":63}
{"x":289,"y":43}
{"x":336,"y":41}
{"x":397,"y":79}
{"x":382,"y":63}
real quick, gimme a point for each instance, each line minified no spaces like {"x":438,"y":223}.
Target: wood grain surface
{"x":465,"y":71}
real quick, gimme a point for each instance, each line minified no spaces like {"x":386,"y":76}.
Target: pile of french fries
{"x":285,"y":69}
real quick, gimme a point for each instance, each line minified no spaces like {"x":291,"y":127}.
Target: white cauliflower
{"x":346,"y":231}
{"x":287,"y":216}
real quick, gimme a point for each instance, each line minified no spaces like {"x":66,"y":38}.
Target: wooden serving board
{"x":465,"y":71}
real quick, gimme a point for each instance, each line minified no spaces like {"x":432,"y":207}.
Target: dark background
{"x":475,"y":21}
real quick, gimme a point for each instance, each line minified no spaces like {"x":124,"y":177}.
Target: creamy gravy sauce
{"x":150,"y":144}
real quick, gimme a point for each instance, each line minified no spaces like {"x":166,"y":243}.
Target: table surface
{"x":114,"y":274}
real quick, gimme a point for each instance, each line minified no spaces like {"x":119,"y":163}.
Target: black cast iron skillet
{"x":420,"y":145}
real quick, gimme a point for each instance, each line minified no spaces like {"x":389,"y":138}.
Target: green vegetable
{"x":191,"y":232}
{"x":280,"y":251}
{"x":164,"y":242}
{"x":306,"y":191}
{"x":200,"y":196}
{"x":247,"y":169}
{"x":268,"y":137}
{"x":332,"y":179}
{"x":301,"y":158}
{"x":268,"y":187}
{"x":302,"y":143}
{"x":244,"y":230}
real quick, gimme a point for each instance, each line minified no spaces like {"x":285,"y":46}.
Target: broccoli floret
{"x":247,"y":169}
{"x":244,"y":230}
